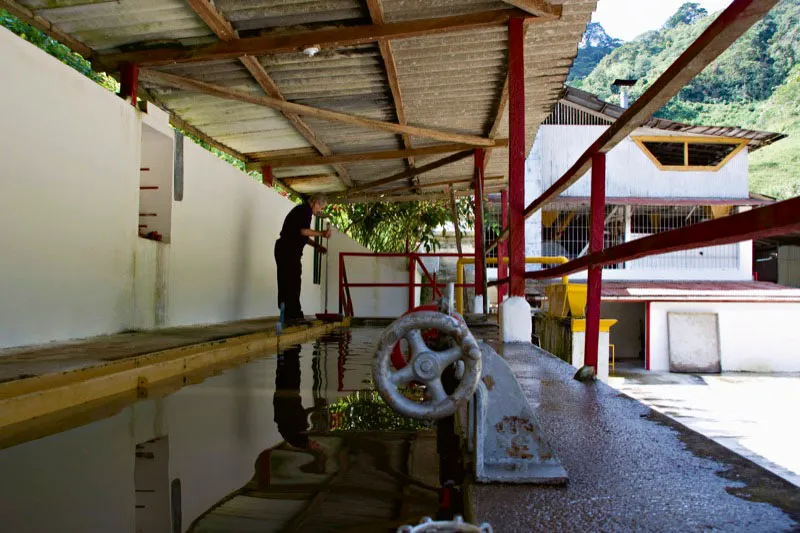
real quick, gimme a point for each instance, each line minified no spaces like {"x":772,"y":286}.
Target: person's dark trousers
{"x":290,"y":270}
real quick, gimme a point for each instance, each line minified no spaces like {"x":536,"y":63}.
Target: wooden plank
{"x":187,"y":84}
{"x":718,"y":36}
{"x":540,"y":8}
{"x":213,"y":19}
{"x":47,"y":27}
{"x":445,"y":184}
{"x":225,"y":31}
{"x":280,"y":159}
{"x":282,"y":42}
{"x":410,"y":173}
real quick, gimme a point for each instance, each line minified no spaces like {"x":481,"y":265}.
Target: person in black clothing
{"x":289,"y":252}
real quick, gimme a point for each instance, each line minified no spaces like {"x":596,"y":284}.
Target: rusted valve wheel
{"x":426,"y":366}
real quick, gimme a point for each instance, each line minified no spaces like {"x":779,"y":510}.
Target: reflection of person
{"x":289,"y":252}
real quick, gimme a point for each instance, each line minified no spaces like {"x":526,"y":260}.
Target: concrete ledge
{"x":28,"y":399}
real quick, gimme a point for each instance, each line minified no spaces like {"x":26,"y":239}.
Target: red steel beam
{"x":595,"y":281}
{"x":480,"y":263}
{"x":129,"y":82}
{"x":516,"y":154}
{"x":720,"y":34}
{"x":266,"y":175}
{"x":776,"y":219}
{"x":502,"y":251}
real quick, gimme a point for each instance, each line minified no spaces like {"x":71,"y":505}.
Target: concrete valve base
{"x":492,"y":413}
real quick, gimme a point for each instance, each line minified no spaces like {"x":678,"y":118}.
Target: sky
{"x":626,"y":19}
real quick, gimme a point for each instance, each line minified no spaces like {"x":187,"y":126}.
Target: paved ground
{"x":630,"y":468}
{"x":752,"y":414}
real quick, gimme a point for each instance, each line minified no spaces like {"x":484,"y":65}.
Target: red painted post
{"x":502,"y":247}
{"x":516,"y":154}
{"x":266,"y":175}
{"x":412,"y":280}
{"x":480,"y":259}
{"x":595,"y":278}
{"x":341,"y":283}
{"x":129,"y":81}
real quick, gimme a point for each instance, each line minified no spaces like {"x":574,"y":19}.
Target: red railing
{"x":428,"y":280}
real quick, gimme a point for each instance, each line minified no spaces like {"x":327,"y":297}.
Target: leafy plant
{"x":391,"y":227}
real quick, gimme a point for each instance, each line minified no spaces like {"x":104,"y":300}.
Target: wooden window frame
{"x":739,"y":144}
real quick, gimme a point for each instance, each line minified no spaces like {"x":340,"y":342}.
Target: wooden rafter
{"x":223,"y":29}
{"x":435,"y":197}
{"x":47,"y":27}
{"x":299,"y":40}
{"x":385,"y":46}
{"x":280,"y":159}
{"x":540,"y":8}
{"x":459,"y":156}
{"x":188,"y":84}
{"x":440,"y":184}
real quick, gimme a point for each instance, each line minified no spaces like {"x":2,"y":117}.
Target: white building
{"x":698,"y":309}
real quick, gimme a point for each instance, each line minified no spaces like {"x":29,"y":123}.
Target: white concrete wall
{"x":789,"y":266}
{"x":69,"y":178}
{"x":629,"y":172}
{"x":627,"y":334}
{"x":603,"y":353}
{"x":367,"y":302}
{"x":73,"y":265}
{"x":754,"y":337}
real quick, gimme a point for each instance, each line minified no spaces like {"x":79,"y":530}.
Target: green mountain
{"x":754,"y":84}
{"x":595,"y":45}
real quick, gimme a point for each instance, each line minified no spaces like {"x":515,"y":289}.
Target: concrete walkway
{"x":630,"y":468}
{"x":751,"y":414}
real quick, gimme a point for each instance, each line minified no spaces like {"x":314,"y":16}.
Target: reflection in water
{"x":359,"y":464}
{"x":297,"y":442}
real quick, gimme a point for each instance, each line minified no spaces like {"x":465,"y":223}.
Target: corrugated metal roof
{"x":591,"y":102}
{"x":448,"y":81}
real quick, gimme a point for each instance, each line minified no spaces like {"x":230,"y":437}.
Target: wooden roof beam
{"x":47,"y":27}
{"x":540,"y":8}
{"x":280,"y":159}
{"x":385,"y":46}
{"x":297,"y":41}
{"x":223,"y":29}
{"x":188,"y":84}
{"x":436,"y":197}
{"x":459,"y":156}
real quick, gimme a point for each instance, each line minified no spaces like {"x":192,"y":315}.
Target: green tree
{"x":688,"y":13}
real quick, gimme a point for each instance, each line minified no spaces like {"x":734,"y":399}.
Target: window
{"x":155,"y":185}
{"x":690,"y":153}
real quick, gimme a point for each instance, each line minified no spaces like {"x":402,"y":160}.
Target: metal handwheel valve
{"x":427,"y":365}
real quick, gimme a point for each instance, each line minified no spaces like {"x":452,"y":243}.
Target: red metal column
{"x":516,"y":154}
{"x":266,"y":175}
{"x":502,"y":247}
{"x":479,"y":255}
{"x":595,"y":281}
{"x":412,"y":279}
{"x":129,"y":81}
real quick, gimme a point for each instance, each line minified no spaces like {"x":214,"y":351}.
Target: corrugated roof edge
{"x":591,"y":102}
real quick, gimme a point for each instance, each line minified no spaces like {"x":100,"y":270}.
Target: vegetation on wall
{"x":754,"y":84}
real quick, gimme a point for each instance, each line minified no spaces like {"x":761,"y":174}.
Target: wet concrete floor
{"x":630,"y":468}
{"x":291,"y":442}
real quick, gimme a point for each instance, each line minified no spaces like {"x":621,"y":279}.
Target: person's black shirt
{"x":299,"y":218}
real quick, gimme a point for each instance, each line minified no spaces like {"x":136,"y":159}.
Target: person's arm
{"x":313,"y":233}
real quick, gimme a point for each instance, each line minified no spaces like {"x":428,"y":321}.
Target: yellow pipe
{"x":556,"y":260}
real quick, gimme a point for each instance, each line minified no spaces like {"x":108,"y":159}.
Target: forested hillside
{"x":754,"y":84}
